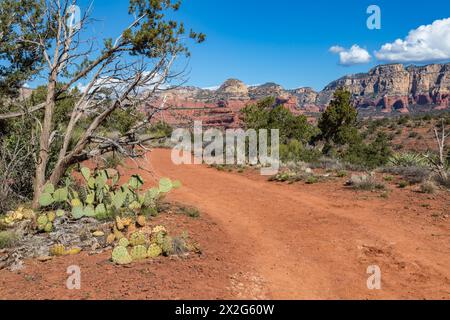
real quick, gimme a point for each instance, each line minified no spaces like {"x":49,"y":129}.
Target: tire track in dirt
{"x":304,"y":246}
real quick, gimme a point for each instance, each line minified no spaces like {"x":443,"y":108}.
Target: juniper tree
{"x":121,"y":73}
{"x":338,"y":123}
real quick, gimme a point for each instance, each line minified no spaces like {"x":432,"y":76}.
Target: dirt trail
{"x":265,"y":240}
{"x":302,"y":244}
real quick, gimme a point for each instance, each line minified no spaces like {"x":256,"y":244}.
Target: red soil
{"x":270,"y":240}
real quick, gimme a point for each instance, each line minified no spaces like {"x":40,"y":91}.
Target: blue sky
{"x":284,"y":41}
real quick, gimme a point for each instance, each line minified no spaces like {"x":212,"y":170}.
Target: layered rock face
{"x":385,"y":89}
{"x":394,"y":88}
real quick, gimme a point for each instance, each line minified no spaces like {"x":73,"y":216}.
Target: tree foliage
{"x":338,"y":124}
{"x":266,"y":114}
{"x":116,"y":75}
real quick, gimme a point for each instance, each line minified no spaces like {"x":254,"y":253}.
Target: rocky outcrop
{"x":385,"y":89}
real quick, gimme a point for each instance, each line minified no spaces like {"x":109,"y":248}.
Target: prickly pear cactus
{"x":138,"y":253}
{"x":48,"y":227}
{"x":58,"y":250}
{"x":158,"y":238}
{"x":118,"y":235}
{"x":154,"y":251}
{"x":141,"y":221}
{"x":73,"y":251}
{"x":121,"y":256}
{"x":137,"y":238}
{"x":42,"y":221}
{"x":51,"y":216}
{"x":124,"y":242}
{"x":110,"y":239}
{"x":159,"y":229}
{"x":167,"y":246}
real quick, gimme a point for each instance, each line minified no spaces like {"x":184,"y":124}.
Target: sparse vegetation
{"x":428,"y":187}
{"x":365,"y":183}
{"x":7,"y":239}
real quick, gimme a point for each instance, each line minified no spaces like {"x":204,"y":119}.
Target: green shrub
{"x":266,"y":114}
{"x":160,"y":129}
{"x":403,"y":184}
{"x":341,"y":174}
{"x":295,"y":151}
{"x":373,"y":155}
{"x":7,"y":239}
{"x":312,"y":180}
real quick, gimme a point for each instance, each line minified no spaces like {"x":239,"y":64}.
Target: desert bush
{"x":341,"y":174}
{"x":7,"y":239}
{"x":267,"y":114}
{"x":327,"y":163}
{"x":160,"y":129}
{"x":295,"y":151}
{"x":403,"y":184}
{"x":312,"y":180}
{"x":428,"y":187}
{"x":113,"y":160}
{"x":403,"y":120}
{"x":370,"y":156}
{"x":413,"y":175}
{"x":17,"y":164}
{"x":443,"y":182}
{"x":365,"y":183}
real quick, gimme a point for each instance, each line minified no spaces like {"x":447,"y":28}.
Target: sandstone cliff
{"x":386,"y":89}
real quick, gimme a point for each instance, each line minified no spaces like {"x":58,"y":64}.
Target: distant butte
{"x":384,"y":90}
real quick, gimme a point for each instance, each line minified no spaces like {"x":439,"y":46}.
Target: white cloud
{"x":354,"y":55}
{"x":213,"y":88}
{"x":336,"y":49}
{"x":424,"y":44}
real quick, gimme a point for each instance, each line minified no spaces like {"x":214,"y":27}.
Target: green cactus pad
{"x":124,"y":242}
{"x":61,"y":195}
{"x":121,"y":256}
{"x":138,"y":253}
{"x":42,"y":222}
{"x":154,"y":251}
{"x":158,"y":238}
{"x":137,"y":238}
{"x":51,"y":216}
{"x":48,"y":227}
{"x":46,"y":199}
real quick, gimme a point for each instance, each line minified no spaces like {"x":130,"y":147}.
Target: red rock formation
{"x":383,"y":90}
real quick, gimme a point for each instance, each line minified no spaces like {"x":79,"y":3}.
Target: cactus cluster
{"x":138,"y":253}
{"x":101,"y":195}
{"x":137,"y":247}
{"x":137,"y":238}
{"x":20,"y":214}
{"x":121,"y":256}
{"x":154,"y":251}
{"x":45,"y":221}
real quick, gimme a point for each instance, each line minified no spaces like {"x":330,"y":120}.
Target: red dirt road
{"x":265,"y":240}
{"x":304,"y":244}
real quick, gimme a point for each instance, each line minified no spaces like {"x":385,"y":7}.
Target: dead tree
{"x":439,"y":164}
{"x":119,"y":74}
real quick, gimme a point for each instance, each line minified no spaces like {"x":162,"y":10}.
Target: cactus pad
{"x":138,"y":253}
{"x":121,"y":256}
{"x":137,"y":238}
{"x":154,"y":251}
